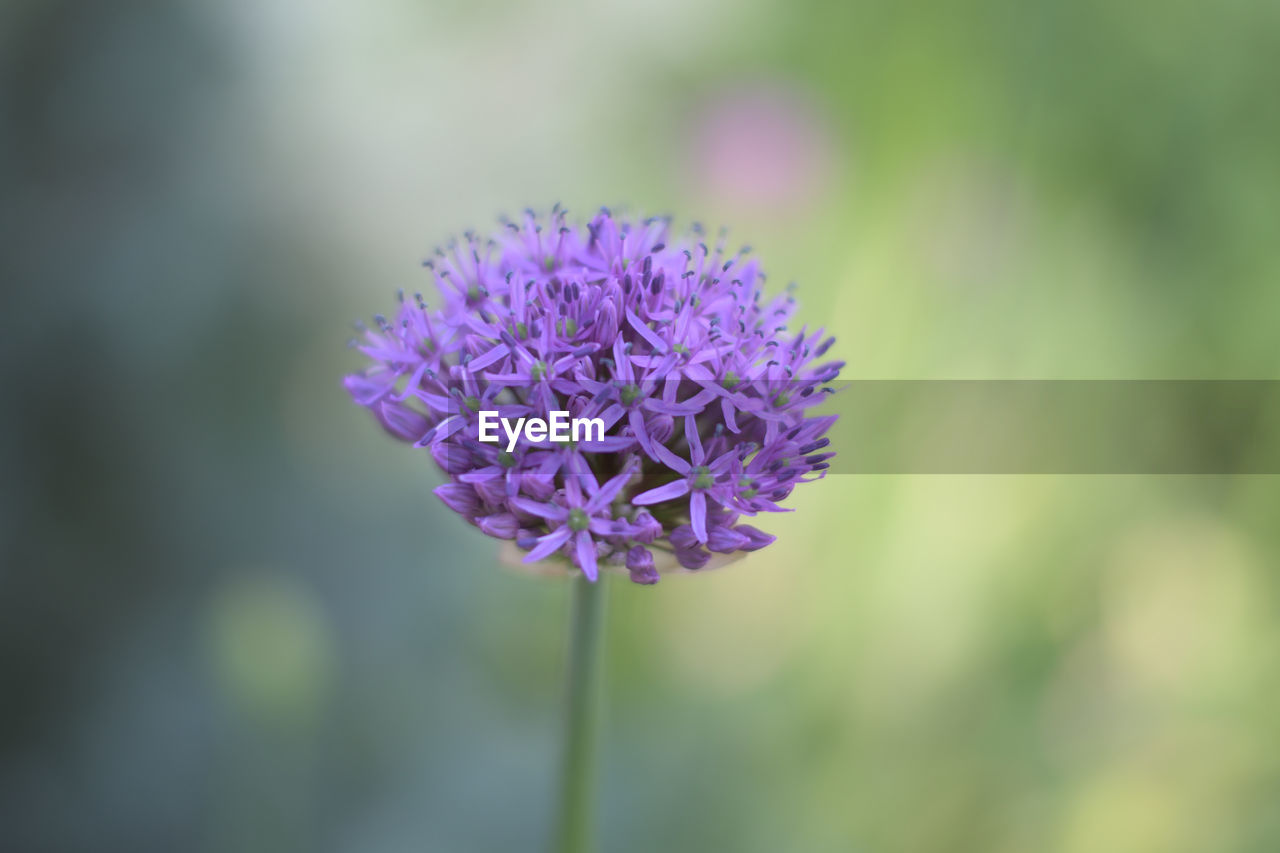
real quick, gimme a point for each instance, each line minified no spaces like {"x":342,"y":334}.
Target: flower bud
{"x":502,"y":525}
{"x":640,"y":565}
{"x":646,"y":528}
{"x":492,"y":491}
{"x":364,"y":390}
{"x":459,"y":497}
{"x":401,"y":422}
{"x":683,"y":537}
{"x":756,"y":539}
{"x":453,"y":458}
{"x":692,"y":558}
{"x":537,"y":486}
{"x":606,"y":328}
{"x":660,"y":427}
{"x":726,"y":540}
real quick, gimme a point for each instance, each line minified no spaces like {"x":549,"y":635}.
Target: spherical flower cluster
{"x":703,"y":393}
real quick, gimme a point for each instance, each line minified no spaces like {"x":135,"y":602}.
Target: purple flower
{"x":702,"y":396}
{"x":577,"y":519}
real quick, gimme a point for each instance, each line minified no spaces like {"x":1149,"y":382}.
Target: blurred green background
{"x":234,"y":618}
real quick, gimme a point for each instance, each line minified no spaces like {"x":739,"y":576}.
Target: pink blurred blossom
{"x":763,"y":146}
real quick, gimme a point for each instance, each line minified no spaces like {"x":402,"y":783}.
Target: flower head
{"x":702,"y":393}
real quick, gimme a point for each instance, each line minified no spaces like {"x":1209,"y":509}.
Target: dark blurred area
{"x":233,"y":617}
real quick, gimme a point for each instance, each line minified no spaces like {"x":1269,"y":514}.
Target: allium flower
{"x":703,"y":393}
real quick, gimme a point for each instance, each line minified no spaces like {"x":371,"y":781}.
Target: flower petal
{"x":696,"y":456}
{"x":496,"y":353}
{"x":672,"y":461}
{"x":548,"y":545}
{"x":606,"y":493}
{"x":669,"y":492}
{"x":542,"y":510}
{"x":645,"y":332}
{"x":585,"y":547}
{"x":698,"y":515}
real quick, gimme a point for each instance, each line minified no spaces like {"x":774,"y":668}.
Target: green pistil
{"x":472,"y":403}
{"x":522,"y":331}
{"x":681,"y":349}
{"x":747,"y":490}
{"x":703,"y":478}
{"x":629,"y":394}
{"x":474,"y":293}
{"x":782,"y":399}
{"x":730,"y":381}
{"x":505,"y":459}
{"x":568,"y":327}
{"x":538,"y":370}
{"x":578,"y":520}
{"x":548,"y":263}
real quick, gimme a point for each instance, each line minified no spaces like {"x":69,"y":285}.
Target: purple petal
{"x":645,"y":332}
{"x":548,"y":545}
{"x":443,"y":430}
{"x":672,"y":461}
{"x":670,"y":491}
{"x":655,"y":404}
{"x":586,"y":550}
{"x":480,"y":475}
{"x":508,"y":378}
{"x":365,"y":390}
{"x":636,"y":420}
{"x":496,"y":353}
{"x":607,"y":526}
{"x":609,"y":490}
{"x":696,"y":455}
{"x":726,"y":407}
{"x":698,"y":515}
{"x":726,"y":540}
{"x":698,"y":373}
{"x":541,"y":510}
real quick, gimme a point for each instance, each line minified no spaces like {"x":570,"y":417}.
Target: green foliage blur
{"x":234,"y":618}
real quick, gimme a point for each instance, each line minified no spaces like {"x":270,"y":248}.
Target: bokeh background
{"x":234,"y":618}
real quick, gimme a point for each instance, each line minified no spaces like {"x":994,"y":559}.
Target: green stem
{"x":577,"y":788}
